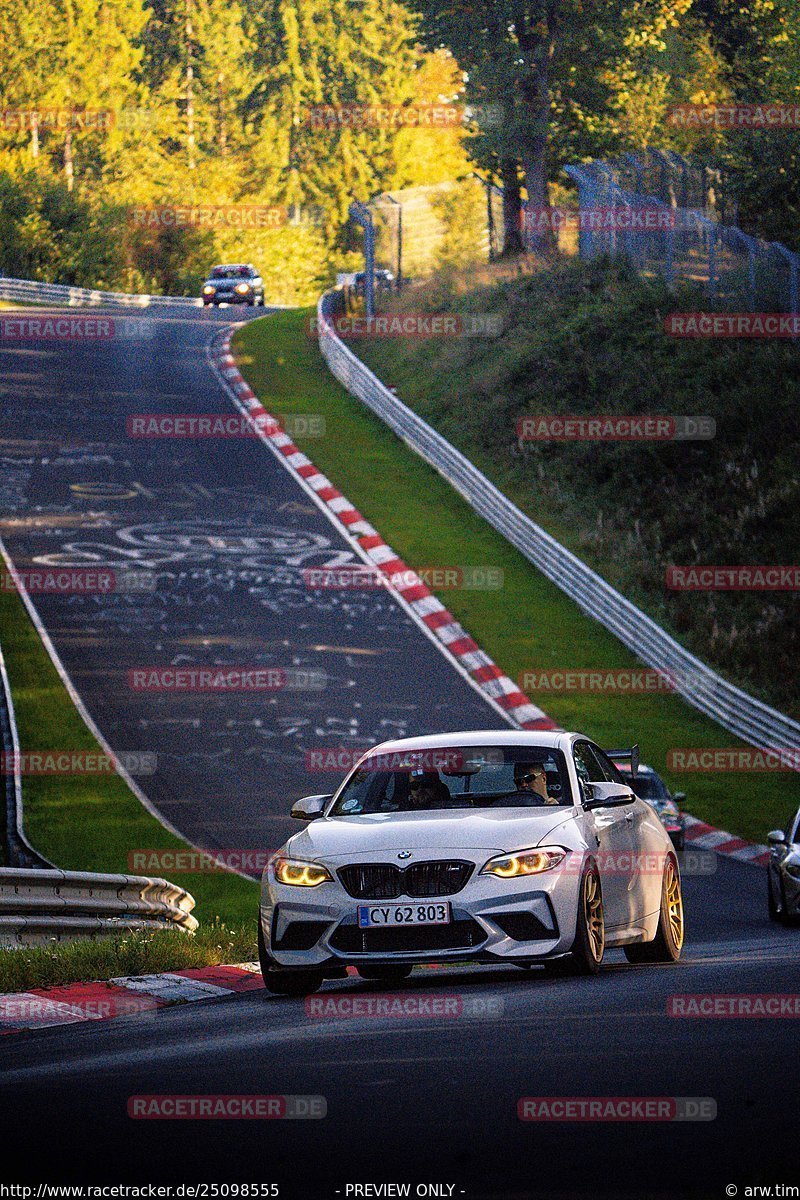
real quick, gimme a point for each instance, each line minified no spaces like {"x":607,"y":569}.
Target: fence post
{"x":751,"y":270}
{"x":363,"y":217}
{"x":712,"y":261}
{"x":399,"y":279}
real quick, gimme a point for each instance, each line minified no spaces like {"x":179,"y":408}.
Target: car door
{"x":646,"y":858}
{"x":612,"y":831}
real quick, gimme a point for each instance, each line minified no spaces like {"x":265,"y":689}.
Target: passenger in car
{"x":426,"y":790}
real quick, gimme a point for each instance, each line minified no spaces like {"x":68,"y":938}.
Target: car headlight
{"x":297,"y":873}
{"x":525,"y":862}
{"x":793,"y":870}
{"x":209,"y":289}
{"x":242,"y":288}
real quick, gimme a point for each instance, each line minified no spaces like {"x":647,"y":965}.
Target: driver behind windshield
{"x":531,"y":779}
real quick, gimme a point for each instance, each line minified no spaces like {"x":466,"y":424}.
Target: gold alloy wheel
{"x":593,"y":913}
{"x":674,"y":901}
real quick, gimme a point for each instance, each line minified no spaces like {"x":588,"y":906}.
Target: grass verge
{"x":93,"y":822}
{"x":530,"y":624}
{"x":133,"y":953}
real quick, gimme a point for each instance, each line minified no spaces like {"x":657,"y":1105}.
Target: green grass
{"x":91,"y":823}
{"x":588,"y":338}
{"x":133,"y":953}
{"x":530,"y":624}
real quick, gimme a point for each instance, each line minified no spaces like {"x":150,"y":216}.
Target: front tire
{"x":778,"y":911}
{"x":590,"y":934}
{"x":667,"y":945}
{"x":285,"y":983}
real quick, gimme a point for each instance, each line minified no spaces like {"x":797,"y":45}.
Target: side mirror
{"x":776,"y":838}
{"x":607,"y":795}
{"x":310,"y":807}
{"x":679,"y":797}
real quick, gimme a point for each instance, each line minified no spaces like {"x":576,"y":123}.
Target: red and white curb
{"x":441,"y":625}
{"x":706,"y":837}
{"x":72,"y":1003}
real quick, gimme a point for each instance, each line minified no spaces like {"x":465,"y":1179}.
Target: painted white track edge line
{"x":86,"y":717}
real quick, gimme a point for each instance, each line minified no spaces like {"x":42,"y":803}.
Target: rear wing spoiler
{"x":631,"y":756}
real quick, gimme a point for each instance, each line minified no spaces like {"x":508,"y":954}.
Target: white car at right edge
{"x":515,"y":847}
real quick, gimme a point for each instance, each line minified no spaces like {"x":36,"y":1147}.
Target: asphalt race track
{"x":423,"y":1099}
{"x":207,"y":541}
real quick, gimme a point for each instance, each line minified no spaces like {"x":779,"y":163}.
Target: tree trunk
{"x":513,"y":243}
{"x":536,"y":100}
{"x":69,"y":165}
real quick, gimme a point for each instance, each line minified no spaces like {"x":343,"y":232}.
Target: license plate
{"x":374,"y":916}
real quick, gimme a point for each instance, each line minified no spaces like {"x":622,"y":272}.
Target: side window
{"x":610,"y":772}
{"x":586,"y":765}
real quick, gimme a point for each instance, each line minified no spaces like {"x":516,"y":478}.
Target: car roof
{"x":232,"y":266}
{"x":553,"y":739}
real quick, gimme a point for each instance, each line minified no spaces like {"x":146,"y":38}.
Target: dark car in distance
{"x":233,"y":283}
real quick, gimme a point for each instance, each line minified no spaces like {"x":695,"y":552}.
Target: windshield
{"x":230,"y":273}
{"x":650,"y":787}
{"x":457,"y":778}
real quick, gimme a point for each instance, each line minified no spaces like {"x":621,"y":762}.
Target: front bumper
{"x":229,"y":298}
{"x":517,"y":920}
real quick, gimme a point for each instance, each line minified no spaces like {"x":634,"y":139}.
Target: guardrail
{"x":35,"y":292}
{"x":735,"y":710}
{"x":43,"y":906}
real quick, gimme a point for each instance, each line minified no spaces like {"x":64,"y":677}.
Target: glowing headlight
{"x":524,"y":862}
{"x":209,"y":290}
{"x":297,"y":873}
{"x":242,"y":288}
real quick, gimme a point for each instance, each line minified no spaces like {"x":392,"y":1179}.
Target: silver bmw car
{"x":783,"y":872}
{"x":512,"y":847}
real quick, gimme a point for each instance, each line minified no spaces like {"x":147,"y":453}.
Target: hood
{"x":432,"y":834}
